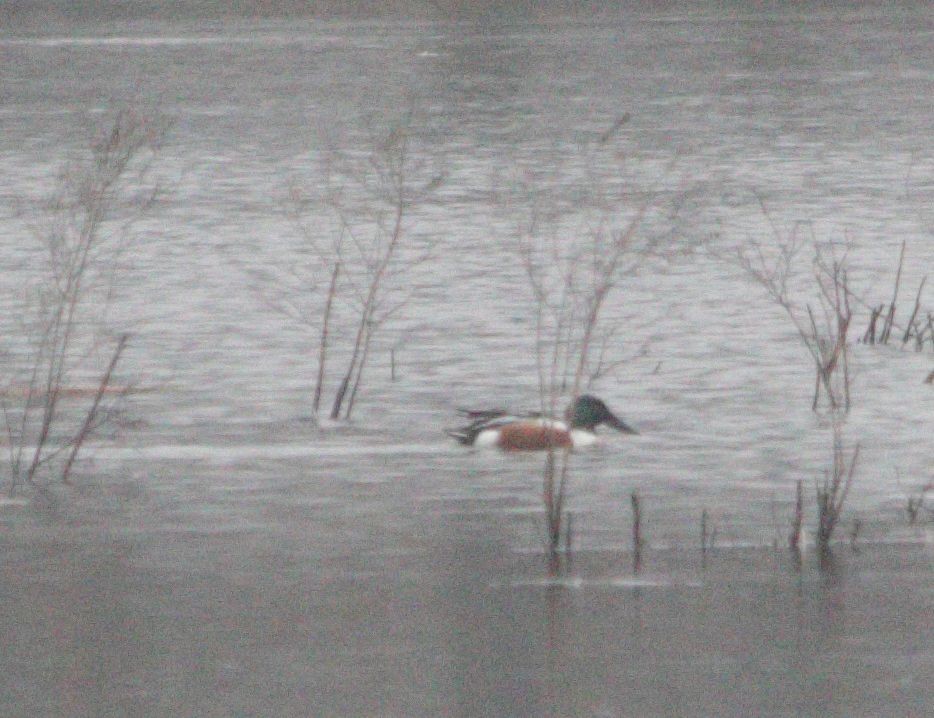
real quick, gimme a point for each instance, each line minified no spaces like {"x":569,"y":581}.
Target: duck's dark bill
{"x":620,"y":425}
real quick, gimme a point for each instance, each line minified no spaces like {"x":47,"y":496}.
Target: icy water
{"x":222,"y":556}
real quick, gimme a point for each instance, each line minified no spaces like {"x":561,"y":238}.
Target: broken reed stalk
{"x":568,"y":535}
{"x":359,"y":375}
{"x":794,"y":538}
{"x":890,"y":317}
{"x":914,"y":313}
{"x":637,"y":540}
{"x":869,"y":337}
{"x":926,"y":331}
{"x":831,"y":495}
{"x":559,"y":523}
{"x":325,"y":328}
{"x":552,"y":510}
{"x":914,"y":327}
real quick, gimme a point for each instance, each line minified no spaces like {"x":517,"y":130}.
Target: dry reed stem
{"x":637,"y":540}
{"x":832,"y":493}
{"x":91,"y":417}
{"x":890,"y":317}
{"x":794,"y":538}
{"x":914,"y":313}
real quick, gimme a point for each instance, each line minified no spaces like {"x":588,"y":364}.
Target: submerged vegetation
{"x":223,"y":547}
{"x":917,"y":331}
{"x":822,"y":320}
{"x":357,"y":254}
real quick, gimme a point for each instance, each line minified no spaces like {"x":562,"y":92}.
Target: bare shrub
{"x":64,"y":341}
{"x":575,"y":256}
{"x":346,"y":283}
{"x":822,"y":322}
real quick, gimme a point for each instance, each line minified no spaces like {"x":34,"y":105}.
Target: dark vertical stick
{"x":890,"y":318}
{"x":636,"y":533}
{"x":914,"y":313}
{"x":360,"y":368}
{"x":553,"y":513}
{"x":870,"y":336}
{"x":794,"y":539}
{"x":568,"y":539}
{"x":817,"y":377}
{"x":88,"y":426}
{"x":323,"y":341}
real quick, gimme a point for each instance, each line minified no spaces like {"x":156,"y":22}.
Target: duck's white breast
{"x":487,"y":439}
{"x":581,"y":438}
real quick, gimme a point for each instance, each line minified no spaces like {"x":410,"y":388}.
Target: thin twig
{"x":91,"y":415}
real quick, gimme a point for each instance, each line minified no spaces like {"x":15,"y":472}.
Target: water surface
{"x":224,"y":556}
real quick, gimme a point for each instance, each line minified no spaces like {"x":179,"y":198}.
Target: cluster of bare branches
{"x":823,"y":325}
{"x":832,"y":490}
{"x":354,"y":231}
{"x":572,"y":269}
{"x":823,"y":322}
{"x":83,"y":230}
{"x":920,"y":327}
{"x":575,"y":257}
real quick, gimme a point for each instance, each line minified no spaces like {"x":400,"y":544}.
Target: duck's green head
{"x":589,"y":411}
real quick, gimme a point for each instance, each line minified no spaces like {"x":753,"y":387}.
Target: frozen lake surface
{"x":224,"y":556}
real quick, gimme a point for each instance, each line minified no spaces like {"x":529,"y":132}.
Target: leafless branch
{"x":84,"y":228}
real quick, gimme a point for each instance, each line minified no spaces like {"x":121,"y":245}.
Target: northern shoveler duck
{"x":534,"y":432}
